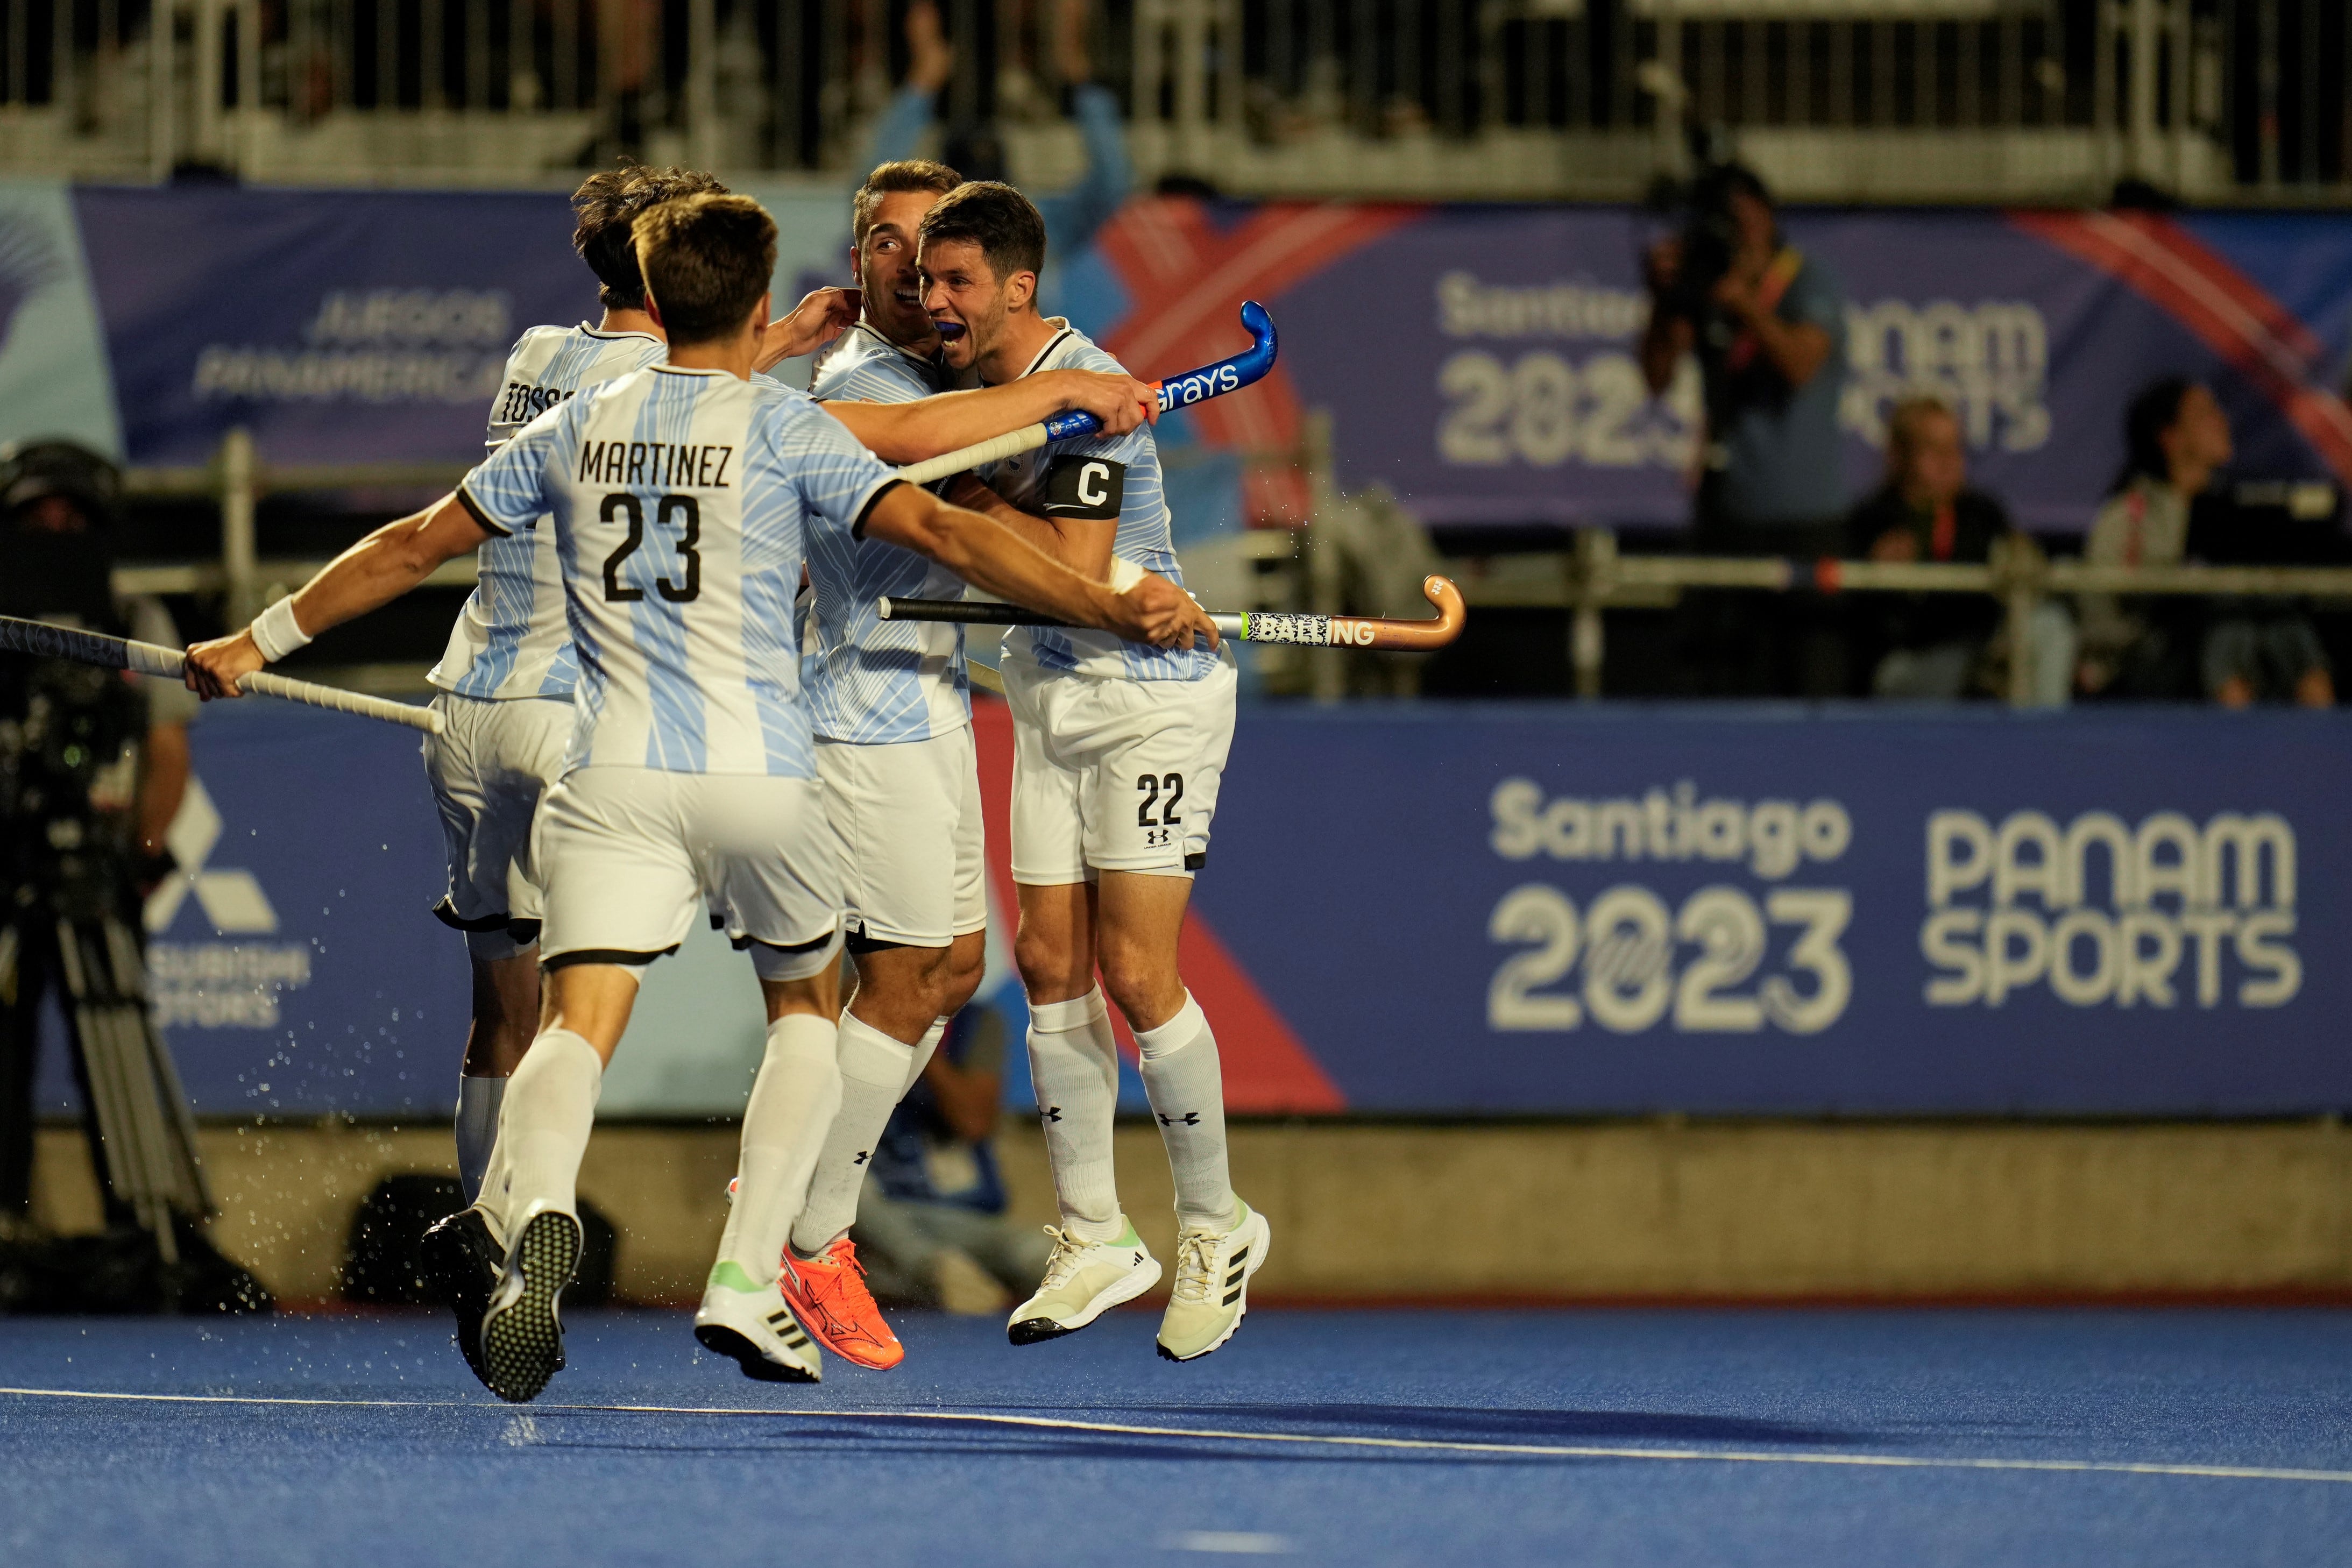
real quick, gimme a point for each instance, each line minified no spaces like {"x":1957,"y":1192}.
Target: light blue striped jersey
{"x":682,"y":503}
{"x":1143,"y":535}
{"x":873,"y":681}
{"x":510,"y":640}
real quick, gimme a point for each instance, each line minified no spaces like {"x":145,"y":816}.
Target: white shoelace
{"x":1064,"y":1262}
{"x":1194,"y":1248}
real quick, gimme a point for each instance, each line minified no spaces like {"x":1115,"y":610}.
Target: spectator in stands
{"x":1071,"y":216}
{"x":931,"y":1226}
{"x":1767,"y":325}
{"x":2177,"y":439}
{"x":1944,"y":645}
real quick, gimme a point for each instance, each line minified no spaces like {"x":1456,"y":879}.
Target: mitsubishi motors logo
{"x":232,"y":900}
{"x":216,"y":984}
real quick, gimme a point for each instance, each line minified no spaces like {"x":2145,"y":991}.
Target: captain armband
{"x":1090,"y":488}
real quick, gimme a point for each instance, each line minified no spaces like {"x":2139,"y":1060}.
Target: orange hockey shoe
{"x":828,"y":1294}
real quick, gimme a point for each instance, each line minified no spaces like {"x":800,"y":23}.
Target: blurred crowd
{"x":1767,"y":324}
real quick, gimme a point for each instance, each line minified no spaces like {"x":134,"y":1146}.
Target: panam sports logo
{"x":2163,"y":913}
{"x":216,"y":984}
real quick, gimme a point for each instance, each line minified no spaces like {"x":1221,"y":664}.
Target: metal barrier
{"x":1588,"y":580}
{"x":236,"y":481}
{"x":1593,"y":578}
{"x":1836,"y":99}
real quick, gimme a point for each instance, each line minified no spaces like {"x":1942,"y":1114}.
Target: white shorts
{"x":488,"y":768}
{"x":1114,"y":775}
{"x":631,"y":855}
{"x":912,"y":867}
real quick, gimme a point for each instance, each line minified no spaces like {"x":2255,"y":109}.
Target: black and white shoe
{"x":522,"y":1334}
{"x":458,"y":1259}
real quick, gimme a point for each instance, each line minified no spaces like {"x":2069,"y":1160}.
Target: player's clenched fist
{"x":1156,"y":611}
{"x":1120,"y":402}
{"x":213,"y":668}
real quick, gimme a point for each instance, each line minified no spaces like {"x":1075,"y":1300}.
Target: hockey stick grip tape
{"x":153,"y":659}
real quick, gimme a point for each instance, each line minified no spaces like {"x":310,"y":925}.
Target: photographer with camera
{"x":93,"y":764}
{"x":1767,"y":323}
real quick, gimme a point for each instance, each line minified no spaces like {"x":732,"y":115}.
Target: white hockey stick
{"x":154,"y":659}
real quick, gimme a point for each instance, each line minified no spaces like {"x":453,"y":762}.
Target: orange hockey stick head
{"x":1408,"y":636}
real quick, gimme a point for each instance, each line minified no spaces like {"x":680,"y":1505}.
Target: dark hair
{"x":707,"y":260}
{"x":607,"y":203}
{"x":890,"y":179}
{"x":996,"y":217}
{"x":2155,"y":409}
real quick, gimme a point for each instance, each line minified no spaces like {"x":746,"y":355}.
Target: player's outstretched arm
{"x":373,"y":573}
{"x":902,"y":432}
{"x":995,"y":559}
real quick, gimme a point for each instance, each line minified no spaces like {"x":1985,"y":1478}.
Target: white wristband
{"x":275,"y":631}
{"x":1125,"y":574}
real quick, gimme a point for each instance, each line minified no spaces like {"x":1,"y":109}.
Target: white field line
{"x":1114,"y":1428}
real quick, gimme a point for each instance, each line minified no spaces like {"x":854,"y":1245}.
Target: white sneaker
{"x":1083,"y":1281}
{"x":523,"y":1331}
{"x":1212,"y":1291}
{"x":753,"y":1325}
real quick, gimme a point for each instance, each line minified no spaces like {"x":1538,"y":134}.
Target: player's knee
{"x":1046,"y":963}
{"x":962,"y":984}
{"x":1138,"y":983}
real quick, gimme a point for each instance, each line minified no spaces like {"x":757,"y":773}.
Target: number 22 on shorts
{"x":1159,"y":833}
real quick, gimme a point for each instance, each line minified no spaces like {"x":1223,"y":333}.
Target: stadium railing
{"x":1587,"y":581}
{"x":1834,"y":99}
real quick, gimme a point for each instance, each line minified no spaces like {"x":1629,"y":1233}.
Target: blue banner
{"x":1524,"y":909}
{"x":1498,"y":909}
{"x":1478,"y":360}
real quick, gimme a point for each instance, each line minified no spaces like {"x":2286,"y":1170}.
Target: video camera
{"x":1709,"y":227}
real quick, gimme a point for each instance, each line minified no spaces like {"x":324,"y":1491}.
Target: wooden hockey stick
{"x":154,"y":659}
{"x":1176,"y":392}
{"x":1248,"y":626}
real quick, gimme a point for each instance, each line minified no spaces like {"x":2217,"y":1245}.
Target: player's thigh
{"x":476,"y":894}
{"x":489,"y":769}
{"x":532,"y":734}
{"x":766,"y":852}
{"x":1049,"y":844}
{"x":623,"y":885}
{"x":1158,"y":764}
{"x":970,"y":889}
{"x":896,"y":811}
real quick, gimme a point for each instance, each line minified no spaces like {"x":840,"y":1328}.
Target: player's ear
{"x":760,"y":315}
{"x":1020,"y":289}
{"x":653,"y":309}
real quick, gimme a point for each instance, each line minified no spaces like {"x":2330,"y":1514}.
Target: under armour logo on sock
{"x":861,"y":1157}
{"x":1190,"y":1118}
{"x":1052,"y":1113}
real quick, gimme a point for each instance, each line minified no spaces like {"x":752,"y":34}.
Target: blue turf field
{"x":406,"y":1461}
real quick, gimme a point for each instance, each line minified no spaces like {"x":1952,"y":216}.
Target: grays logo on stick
{"x":1087,"y":487}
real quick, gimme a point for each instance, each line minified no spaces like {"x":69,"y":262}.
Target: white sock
{"x":1187,"y":1089}
{"x":794,"y":1101}
{"x":544,"y":1122}
{"x":477,"y":1129}
{"x":1074,"y":1064}
{"x":925,"y":1049}
{"x":873,"y":1075}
